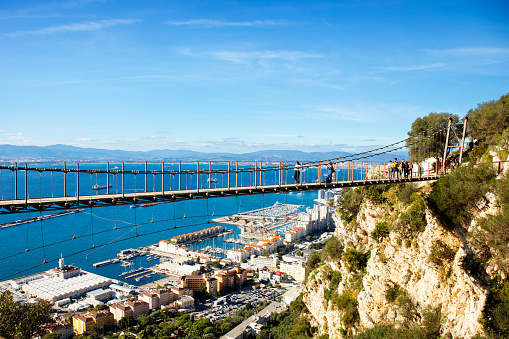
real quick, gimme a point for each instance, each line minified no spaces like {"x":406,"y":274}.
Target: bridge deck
{"x":74,"y":202}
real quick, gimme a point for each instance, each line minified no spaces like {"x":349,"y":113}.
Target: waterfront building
{"x":100,"y":294}
{"x":57,"y":288}
{"x":182,"y":250}
{"x":257,"y":249}
{"x":65,"y":271}
{"x":183,"y":238}
{"x":122,"y":289}
{"x":226,"y":262}
{"x":236,"y":255}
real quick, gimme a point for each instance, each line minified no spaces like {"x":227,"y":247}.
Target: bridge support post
{"x":16,"y":181}
{"x":197,"y":177}
{"x":162,"y":179}
{"x":463,"y":139}
{"x":78,"y":183}
{"x":123,"y":181}
{"x":255,"y":166}
{"x":228,"y":175}
{"x":26,"y":184}
{"x":446,"y":144}
{"x":145,"y":176}
{"x":65,"y":180}
{"x":108,"y":177}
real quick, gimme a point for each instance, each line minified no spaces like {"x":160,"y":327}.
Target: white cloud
{"x":415,"y":68}
{"x":241,"y":56}
{"x":472,"y":51}
{"x":219,"y":23}
{"x":74,"y":27}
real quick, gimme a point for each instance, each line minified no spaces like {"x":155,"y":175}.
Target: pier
{"x":39,"y":218}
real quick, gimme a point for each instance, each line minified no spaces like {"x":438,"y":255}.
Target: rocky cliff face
{"x":402,"y":278}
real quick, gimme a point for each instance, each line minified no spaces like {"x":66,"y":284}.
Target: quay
{"x":106,"y":262}
{"x":39,"y":218}
{"x":137,"y":274}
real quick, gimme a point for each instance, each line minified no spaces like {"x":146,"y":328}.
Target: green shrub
{"x":491,"y":237}
{"x":351,"y":200}
{"x":313,"y":262}
{"x":496,"y":310}
{"x":381,"y":231}
{"x":356,"y":260}
{"x":454,"y":197}
{"x":478,"y":152}
{"x":347,"y":303}
{"x":413,"y":220}
{"x":392,"y":293}
{"x":406,"y":308}
{"x":327,"y":294}
{"x":440,"y":252}
{"x":406,"y":193}
{"x":333,"y":276}
{"x":502,"y":154}
{"x":333,"y":249}
{"x":375,"y":193}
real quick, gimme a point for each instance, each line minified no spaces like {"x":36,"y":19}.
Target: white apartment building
{"x":296,"y":269}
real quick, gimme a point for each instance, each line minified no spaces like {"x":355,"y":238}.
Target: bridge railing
{"x":24,"y":181}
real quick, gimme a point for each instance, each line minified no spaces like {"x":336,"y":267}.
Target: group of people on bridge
{"x":399,"y":169}
{"x":298,"y":168}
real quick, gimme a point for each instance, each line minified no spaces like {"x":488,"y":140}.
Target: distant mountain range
{"x":71,"y":153}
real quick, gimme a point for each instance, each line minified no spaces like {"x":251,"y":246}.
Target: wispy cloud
{"x":471,"y":51}
{"x":219,"y":23}
{"x":241,"y":56}
{"x":17,"y":138}
{"x":415,"y":68}
{"x":74,"y":27}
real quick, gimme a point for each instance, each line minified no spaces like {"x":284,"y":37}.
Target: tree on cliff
{"x":23,"y":321}
{"x":489,"y":118}
{"x":428,"y":134}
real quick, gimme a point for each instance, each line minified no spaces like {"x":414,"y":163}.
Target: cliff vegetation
{"x":422,"y":260}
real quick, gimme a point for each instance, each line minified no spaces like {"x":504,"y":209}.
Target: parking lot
{"x":228,"y":305}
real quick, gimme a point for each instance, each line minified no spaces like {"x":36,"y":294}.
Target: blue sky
{"x":239,"y":76}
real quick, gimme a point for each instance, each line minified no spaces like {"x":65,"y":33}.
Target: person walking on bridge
{"x":395,"y":168}
{"x":297,"y":169}
{"x":389,"y":169}
{"x":330,"y":173}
